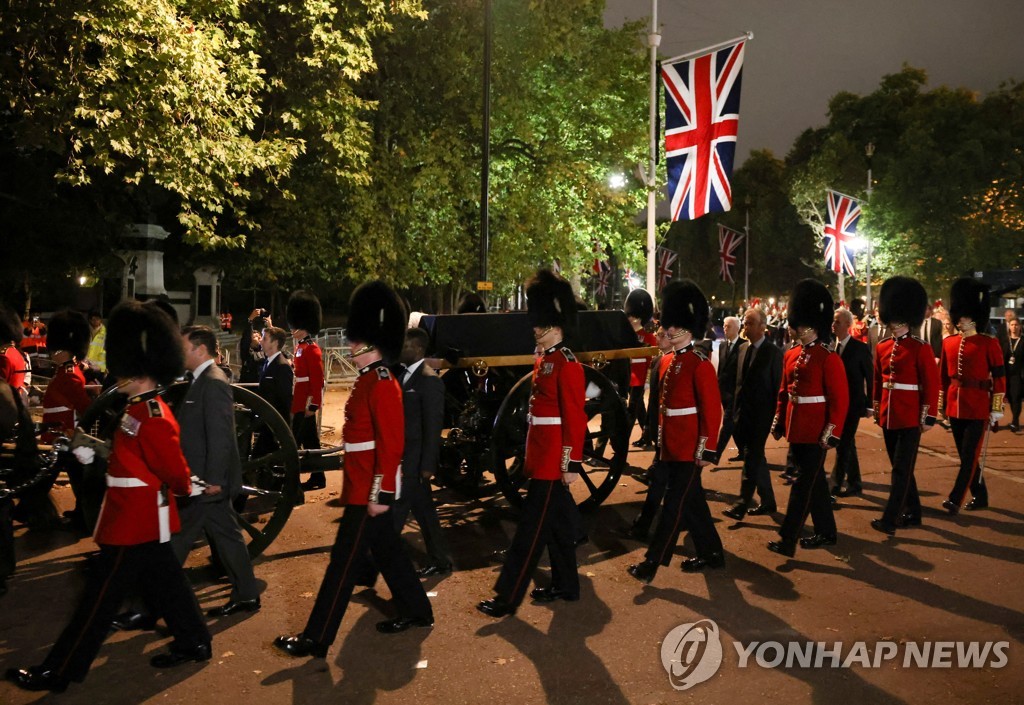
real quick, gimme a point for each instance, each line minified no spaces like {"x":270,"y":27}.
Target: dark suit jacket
{"x":728,"y":370}
{"x":423,"y":404}
{"x":856,"y":359}
{"x":276,"y":386}
{"x":932,"y":334}
{"x":877,"y":333}
{"x":207,"y":420}
{"x":758,"y":392}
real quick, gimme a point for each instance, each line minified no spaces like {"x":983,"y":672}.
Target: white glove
{"x":197,"y":487}
{"x":84,"y":455}
{"x":994,"y":417}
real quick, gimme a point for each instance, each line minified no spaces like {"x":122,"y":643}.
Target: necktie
{"x":189,"y":377}
{"x":751,"y":352}
{"x":725,"y":350}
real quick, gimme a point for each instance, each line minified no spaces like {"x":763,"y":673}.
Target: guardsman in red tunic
{"x":813,"y":400}
{"x":14,"y":366}
{"x":145,"y":467}
{"x":973,"y":383}
{"x":639,"y":308}
{"x":906,"y":393}
{"x":304,"y":321}
{"x":690,"y":413}
{"x":374,"y":435}
{"x":554,"y":456}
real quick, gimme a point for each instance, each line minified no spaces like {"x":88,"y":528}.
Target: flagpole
{"x":746,"y":36}
{"x":746,"y":257}
{"x":870,"y":151}
{"x":653,"y":40}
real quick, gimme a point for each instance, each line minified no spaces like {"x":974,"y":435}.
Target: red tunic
{"x":309,"y":376}
{"x":13,"y":366}
{"x":972,"y":372}
{"x":639,"y":366}
{"x":906,"y":389}
{"x":374,"y":436}
{"x":814,"y":395}
{"x":557,"y":420}
{"x":65,"y":400}
{"x":146,"y":458}
{"x":690,"y":409}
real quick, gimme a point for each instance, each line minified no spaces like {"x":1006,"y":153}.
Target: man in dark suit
{"x":728,"y":358}
{"x":423,"y":403}
{"x":931,"y":331}
{"x":856,"y":357}
{"x":276,"y":375}
{"x":208,"y":440}
{"x":878,"y":332}
{"x":757,"y":388}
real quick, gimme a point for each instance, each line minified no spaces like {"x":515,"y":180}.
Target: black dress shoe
{"x":235,"y":606}
{"x":695,"y":565}
{"x":496,"y":608}
{"x":818,"y":540}
{"x":737,"y":458}
{"x":783,"y":548}
{"x":400,"y":624}
{"x":644,"y":572}
{"x":131,"y":621}
{"x":37,"y":678}
{"x":176,"y":656}
{"x":879,"y":525}
{"x":761,"y":510}
{"x":953,"y":509}
{"x":641,"y":444}
{"x":580,"y":540}
{"x":736,"y":511}
{"x":635,"y":533}
{"x":834,"y":501}
{"x":432,"y":570}
{"x":300,"y":646}
{"x":910,"y":520}
{"x":316,"y":481}
{"x":549,"y":594}
{"x":849,"y":492}
{"x":974,"y":505}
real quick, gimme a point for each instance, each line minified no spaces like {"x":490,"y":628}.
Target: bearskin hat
{"x":968,"y":298}
{"x":902,"y":300}
{"x":304,"y":312}
{"x":857,"y":308}
{"x":10,"y":326}
{"x":377,"y":317}
{"x":810,"y":305}
{"x":550,"y":302}
{"x":683,"y":305}
{"x":143,"y":341}
{"x":69,"y":330}
{"x":471,"y":303}
{"x":639,"y":304}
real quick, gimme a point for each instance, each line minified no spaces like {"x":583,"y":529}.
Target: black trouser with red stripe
{"x":847,"y":466}
{"x":901,"y":445}
{"x":306,"y":436}
{"x":969,"y":435}
{"x":359,"y":537}
{"x":809,"y":494}
{"x":637,"y":410}
{"x":685,"y":507}
{"x":155,"y":570}
{"x":547,"y":520}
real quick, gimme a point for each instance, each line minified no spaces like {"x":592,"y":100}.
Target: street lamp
{"x":617,"y":181}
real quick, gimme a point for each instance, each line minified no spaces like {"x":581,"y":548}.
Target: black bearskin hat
{"x":683,"y":305}
{"x":969,"y":299}
{"x":550,"y":301}
{"x":902,"y":300}
{"x":639,"y":304}
{"x":810,"y":305}
{"x":10,"y":327}
{"x":471,"y":303}
{"x":377,"y":317}
{"x":857,"y":308}
{"x":69,"y":330}
{"x":304,"y":312}
{"x":143,"y":341}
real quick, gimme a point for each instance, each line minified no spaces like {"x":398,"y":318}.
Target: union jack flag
{"x":666,"y":265}
{"x":603,"y":280}
{"x":840,"y":229}
{"x":728,"y":241}
{"x":702,"y":105}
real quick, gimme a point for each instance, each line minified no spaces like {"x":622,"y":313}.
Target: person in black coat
{"x":1013,"y":356}
{"x":856,"y":357}
{"x":276,"y":377}
{"x":728,"y":370}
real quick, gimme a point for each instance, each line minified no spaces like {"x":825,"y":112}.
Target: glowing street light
{"x":617,"y":181}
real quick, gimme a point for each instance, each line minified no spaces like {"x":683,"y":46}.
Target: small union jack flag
{"x":666,"y":265}
{"x":702,"y":105}
{"x":840,"y":229}
{"x":603,"y":279}
{"x":728,"y":241}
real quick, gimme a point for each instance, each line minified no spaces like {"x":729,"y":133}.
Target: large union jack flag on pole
{"x":728,"y":241}
{"x":702,"y":105}
{"x":840,"y":230}
{"x":666,"y":266}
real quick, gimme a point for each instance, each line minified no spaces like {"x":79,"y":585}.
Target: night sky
{"x":805,"y":51}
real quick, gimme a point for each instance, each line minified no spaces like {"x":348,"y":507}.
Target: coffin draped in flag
{"x":728,"y":241}
{"x":702,"y":105}
{"x":840,"y":230}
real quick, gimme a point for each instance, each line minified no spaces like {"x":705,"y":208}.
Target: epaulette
{"x":383,"y":372}
{"x":154,"y":408}
{"x":920,"y":340}
{"x":699,"y":352}
{"x":568,"y":354}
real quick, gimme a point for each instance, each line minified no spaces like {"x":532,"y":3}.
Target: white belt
{"x":302,"y":379}
{"x":356,"y":447}
{"x":901,"y":387}
{"x":807,"y":400}
{"x":688,"y":411}
{"x":55,"y":409}
{"x":640,"y":360}
{"x":125,"y":482}
{"x":544,"y":420}
{"x":163,"y":511}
